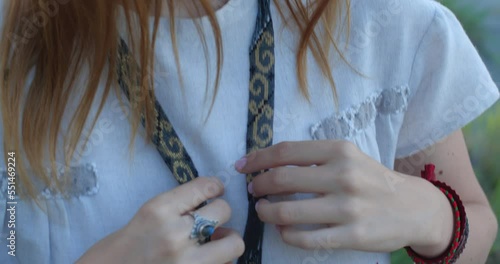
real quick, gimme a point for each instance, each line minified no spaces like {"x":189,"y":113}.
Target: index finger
{"x":299,"y":153}
{"x":190,"y":195}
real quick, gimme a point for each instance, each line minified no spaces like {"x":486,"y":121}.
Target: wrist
{"x":435,"y":225}
{"x":431,"y":250}
{"x":107,"y":250}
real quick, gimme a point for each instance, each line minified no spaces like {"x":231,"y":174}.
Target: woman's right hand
{"x":159,"y":232}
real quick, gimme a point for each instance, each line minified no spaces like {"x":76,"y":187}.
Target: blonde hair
{"x":53,"y":40}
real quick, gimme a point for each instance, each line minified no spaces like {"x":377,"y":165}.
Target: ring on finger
{"x":202,"y":228}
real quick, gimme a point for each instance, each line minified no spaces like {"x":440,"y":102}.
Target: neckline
{"x":218,"y":3}
{"x":224,"y":11}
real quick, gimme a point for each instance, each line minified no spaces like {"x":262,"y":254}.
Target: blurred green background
{"x":481,"y":20}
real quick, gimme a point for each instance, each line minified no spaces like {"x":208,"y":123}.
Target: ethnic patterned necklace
{"x":259,"y":124}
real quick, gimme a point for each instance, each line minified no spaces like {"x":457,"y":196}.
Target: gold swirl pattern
{"x":259,"y":124}
{"x":164,"y":136}
{"x":183,"y":171}
{"x":261,"y":96}
{"x":259,"y":90}
{"x":264,"y":54}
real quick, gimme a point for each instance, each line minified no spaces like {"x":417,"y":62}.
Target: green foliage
{"x":473,"y":19}
{"x":400,"y":257}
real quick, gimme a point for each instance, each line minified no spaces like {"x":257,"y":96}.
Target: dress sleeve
{"x":449,"y":85}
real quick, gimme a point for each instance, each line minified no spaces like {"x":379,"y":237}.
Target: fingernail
{"x":250,"y":188}
{"x":257,"y":204}
{"x":241,"y":163}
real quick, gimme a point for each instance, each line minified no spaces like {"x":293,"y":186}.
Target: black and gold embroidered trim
{"x":165,"y":138}
{"x":259,"y":125}
{"x":260,"y":119}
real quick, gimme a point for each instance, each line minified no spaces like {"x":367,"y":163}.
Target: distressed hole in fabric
{"x":355,"y":119}
{"x":365,"y":114}
{"x":82,"y":181}
{"x":393,"y":101}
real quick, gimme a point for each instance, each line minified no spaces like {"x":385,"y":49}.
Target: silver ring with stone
{"x":202,"y":228}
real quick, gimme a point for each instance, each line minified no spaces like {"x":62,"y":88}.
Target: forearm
{"x":454,"y":168}
{"x":483,"y":230}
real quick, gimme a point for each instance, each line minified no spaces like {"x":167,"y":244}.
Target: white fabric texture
{"x":422,"y":79}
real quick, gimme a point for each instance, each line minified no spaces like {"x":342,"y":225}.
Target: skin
{"x":362,"y":204}
{"x":159,"y":232}
{"x":366,"y":206}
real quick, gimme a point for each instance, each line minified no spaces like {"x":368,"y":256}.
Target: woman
{"x":347,"y":101}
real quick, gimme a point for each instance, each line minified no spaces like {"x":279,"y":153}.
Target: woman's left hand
{"x":364,"y":205}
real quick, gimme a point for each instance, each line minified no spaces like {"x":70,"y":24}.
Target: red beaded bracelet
{"x":461,"y":226}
